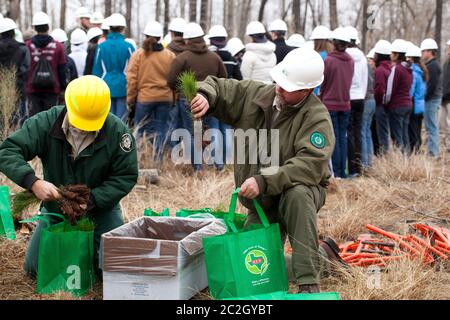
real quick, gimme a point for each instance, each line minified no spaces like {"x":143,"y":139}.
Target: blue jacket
{"x":324,"y":55}
{"x":418,"y":90}
{"x":111,"y":63}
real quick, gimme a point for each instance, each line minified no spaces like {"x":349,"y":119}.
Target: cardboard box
{"x":156,"y":258}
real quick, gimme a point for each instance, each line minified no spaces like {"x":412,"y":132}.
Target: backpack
{"x":43,"y":77}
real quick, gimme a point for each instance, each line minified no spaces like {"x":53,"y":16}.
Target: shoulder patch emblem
{"x":318,"y":140}
{"x":126,"y":143}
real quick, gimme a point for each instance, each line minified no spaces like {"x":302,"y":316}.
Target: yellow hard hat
{"x":88,"y":101}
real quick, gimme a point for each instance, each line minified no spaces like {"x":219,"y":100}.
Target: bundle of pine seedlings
{"x":74,"y":202}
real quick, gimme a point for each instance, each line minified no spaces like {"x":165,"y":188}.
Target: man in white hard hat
{"x":83,"y":17}
{"x":433,"y":99}
{"x":203,"y":63}
{"x":79,"y":44}
{"x":96,"y":20}
{"x":15,"y":55}
{"x":278,"y":30}
{"x":71,"y":69}
{"x":445,"y":111}
{"x":48,"y":56}
{"x":111,"y":63}
{"x":94,"y":34}
{"x":358,"y":92}
{"x":176,"y":29}
{"x":292,"y":192}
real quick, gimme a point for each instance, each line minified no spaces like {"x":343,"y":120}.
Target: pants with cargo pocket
{"x":104,"y":222}
{"x":296,"y":212}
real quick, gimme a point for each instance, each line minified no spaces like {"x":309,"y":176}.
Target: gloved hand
{"x":131,"y":108}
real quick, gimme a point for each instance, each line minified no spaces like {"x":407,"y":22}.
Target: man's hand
{"x":250,"y":189}
{"x":45,"y":191}
{"x":199,"y":106}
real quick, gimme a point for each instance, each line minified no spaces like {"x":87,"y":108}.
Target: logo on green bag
{"x":318,"y":140}
{"x":256,"y":262}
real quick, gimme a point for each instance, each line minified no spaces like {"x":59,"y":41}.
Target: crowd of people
{"x":375,"y":100}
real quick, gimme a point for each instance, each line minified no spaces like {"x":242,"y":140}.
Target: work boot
{"x":309,"y":288}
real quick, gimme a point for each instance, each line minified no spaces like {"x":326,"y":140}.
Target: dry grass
{"x":8,"y":101}
{"x":380,"y":198}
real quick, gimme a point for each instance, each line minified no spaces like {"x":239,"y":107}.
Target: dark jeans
{"x":399,"y":125}
{"x":382,"y":123}
{"x":415,"y":130}
{"x":354,"y":137}
{"x":340,"y":125}
{"x":42,"y":102}
{"x":153,"y":120}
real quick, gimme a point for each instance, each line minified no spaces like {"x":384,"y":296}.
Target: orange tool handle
{"x":394,"y":237}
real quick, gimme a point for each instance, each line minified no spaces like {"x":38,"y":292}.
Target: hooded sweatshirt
{"x":398,"y":87}
{"x":177,"y":45}
{"x":54,"y":52}
{"x":335,"y":89}
{"x":198,"y":59}
{"x":381,"y":78}
{"x":358,"y":90}
{"x":418,"y":90}
{"x":15,"y":55}
{"x":258,"y":60}
{"x":79,"y":55}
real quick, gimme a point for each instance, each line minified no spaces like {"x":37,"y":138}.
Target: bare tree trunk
{"x":108,"y":8}
{"x":297,"y":15}
{"x":365,"y":27}
{"x":231,"y":18}
{"x":333,"y":14}
{"x":44,"y":5}
{"x":129,"y":11}
{"x":192,"y":10}
{"x":62,"y":15}
{"x":183,"y":9}
{"x":158,"y":10}
{"x":305,"y":17}
{"x":166,"y":16}
{"x":14,"y":10}
{"x":245,"y":13}
{"x":204,"y":9}
{"x":261,"y":10}
{"x":438,"y":35}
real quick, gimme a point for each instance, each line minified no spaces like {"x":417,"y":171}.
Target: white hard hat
{"x":7,"y":24}
{"x":154,"y":29}
{"x":278,"y":25}
{"x":429,"y":44}
{"x":177,"y":25}
{"x":371,"y":54}
{"x":400,"y":46}
{"x":97,"y":18}
{"x":18,"y":36}
{"x":414,"y":52}
{"x":117,"y":20}
{"x":296,"y":40}
{"x":353,"y":34}
{"x":255,"y":27}
{"x":40,"y":19}
{"x":193,"y":30}
{"x":234,"y":46}
{"x":82,"y":12}
{"x":59,"y":35}
{"x":321,"y":33}
{"x":93,"y":33}
{"x":78,"y":36}
{"x":105,"y":24}
{"x":341,"y":34}
{"x":217,"y":31}
{"x":301,"y":69}
{"x":383,"y":47}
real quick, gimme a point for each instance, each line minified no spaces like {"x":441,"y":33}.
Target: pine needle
{"x":188,"y":85}
{"x":85,"y":225}
{"x":22,"y":202}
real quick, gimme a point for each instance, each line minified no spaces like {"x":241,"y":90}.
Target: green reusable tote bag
{"x":66,"y":257}
{"x":6,"y":219}
{"x":247,"y":262}
{"x":239,"y":219}
{"x":151,"y":213}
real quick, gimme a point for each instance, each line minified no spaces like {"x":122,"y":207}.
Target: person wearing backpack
{"x":46,"y":78}
{"x":111,"y":63}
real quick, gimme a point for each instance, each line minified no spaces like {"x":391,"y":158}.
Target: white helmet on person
{"x":40,"y":19}
{"x":301,"y":69}
{"x":296,"y":40}
{"x":154,"y":29}
{"x":255,"y":27}
{"x":193,"y":30}
{"x":177,"y":25}
{"x":383,"y":47}
{"x":234,"y":46}
{"x":82,"y":12}
{"x":429,"y":44}
{"x":278,"y":25}
{"x":400,"y":46}
{"x":93,"y":33}
{"x":217,"y":31}
{"x":59,"y":35}
{"x":321,"y":33}
{"x":371,"y":54}
{"x":341,"y":34}
{"x":78,"y":36}
{"x":7,"y":24}
{"x":414,"y":52}
{"x":97,"y":18}
{"x":117,"y":20}
{"x":353,"y":34}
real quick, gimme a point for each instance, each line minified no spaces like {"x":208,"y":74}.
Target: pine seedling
{"x":23,"y":201}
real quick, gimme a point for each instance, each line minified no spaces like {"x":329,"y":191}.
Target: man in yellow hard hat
{"x":81,"y":143}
